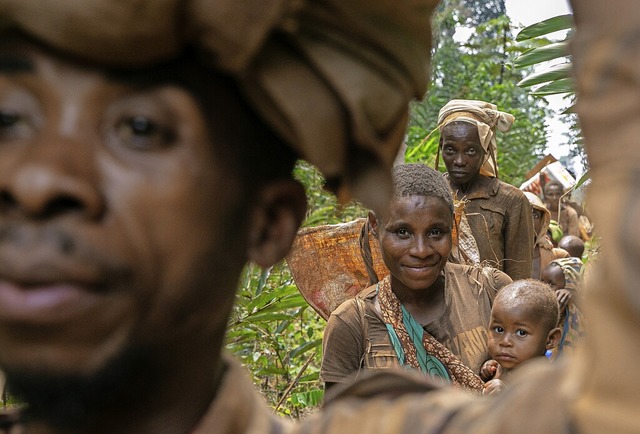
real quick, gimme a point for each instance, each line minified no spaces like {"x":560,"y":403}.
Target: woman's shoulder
{"x":507,"y":189}
{"x":355,"y":305}
{"x":478,"y":275}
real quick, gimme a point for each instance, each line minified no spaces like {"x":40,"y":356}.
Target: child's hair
{"x":539,"y":296}
{"x":420,"y":180}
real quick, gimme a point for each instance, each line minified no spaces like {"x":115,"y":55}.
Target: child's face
{"x":553,"y":276}
{"x":516,"y":335}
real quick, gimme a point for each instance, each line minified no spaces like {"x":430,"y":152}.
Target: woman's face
{"x":462,"y":152}
{"x":415,"y":239}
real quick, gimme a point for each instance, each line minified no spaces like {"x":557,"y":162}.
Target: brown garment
{"x":393,"y":402}
{"x":350,"y":345}
{"x":500,"y":218}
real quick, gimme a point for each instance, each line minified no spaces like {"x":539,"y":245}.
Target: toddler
{"x":523,"y":325}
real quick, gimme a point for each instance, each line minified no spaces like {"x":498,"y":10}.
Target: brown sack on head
{"x":332,"y":77}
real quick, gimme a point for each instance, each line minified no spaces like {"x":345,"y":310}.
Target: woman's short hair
{"x":420,"y":180}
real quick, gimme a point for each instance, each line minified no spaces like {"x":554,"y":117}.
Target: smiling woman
{"x":498,"y":214}
{"x":428,"y":314}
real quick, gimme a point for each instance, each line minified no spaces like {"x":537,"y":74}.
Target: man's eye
{"x":521,"y":333}
{"x":142,"y":133}
{"x":14,"y":125}
{"x":8,"y":119}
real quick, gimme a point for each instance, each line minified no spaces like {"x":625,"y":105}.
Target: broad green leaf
{"x":555,"y":24}
{"x":552,"y":74}
{"x":269,"y":316}
{"x":584,"y":178}
{"x":301,"y":349}
{"x":542,"y":54}
{"x":564,"y":85}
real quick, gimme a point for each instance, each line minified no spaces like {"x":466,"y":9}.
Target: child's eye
{"x":498,"y":329}
{"x":521,"y":333}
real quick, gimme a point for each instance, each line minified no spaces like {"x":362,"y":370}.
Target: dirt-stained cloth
{"x":357,"y":339}
{"x":500,"y":218}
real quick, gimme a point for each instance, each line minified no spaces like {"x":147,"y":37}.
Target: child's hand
{"x":490,"y":370}
{"x":564,"y":297}
{"x":493,"y":386}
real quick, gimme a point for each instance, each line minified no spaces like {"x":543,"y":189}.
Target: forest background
{"x":273,"y":331}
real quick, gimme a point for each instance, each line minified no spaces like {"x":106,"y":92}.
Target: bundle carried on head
{"x":332,"y":77}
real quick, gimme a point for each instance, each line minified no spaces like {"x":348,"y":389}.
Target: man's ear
{"x":281,"y":207}
{"x":553,"y":338}
{"x":373,"y":223}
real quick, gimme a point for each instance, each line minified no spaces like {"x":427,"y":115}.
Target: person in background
{"x":543,"y":251}
{"x":428,"y":314}
{"x":572,"y":244}
{"x":565,"y":278}
{"x":524,"y":326}
{"x":498,"y":214}
{"x":565,"y":215}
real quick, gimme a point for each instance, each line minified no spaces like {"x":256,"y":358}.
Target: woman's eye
{"x":435,"y":232}
{"x":471,"y":151}
{"x":143,"y":133}
{"x":402,"y":232}
{"x":521,"y":333}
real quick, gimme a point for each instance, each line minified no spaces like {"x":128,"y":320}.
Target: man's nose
{"x":45,"y":180}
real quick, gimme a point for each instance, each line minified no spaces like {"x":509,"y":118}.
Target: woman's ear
{"x":281,"y":207}
{"x":373,"y":223}
{"x":553,"y":338}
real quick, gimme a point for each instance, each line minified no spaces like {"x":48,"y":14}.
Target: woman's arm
{"x":342,"y":345}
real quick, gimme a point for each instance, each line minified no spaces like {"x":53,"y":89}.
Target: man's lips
{"x":43,"y":303}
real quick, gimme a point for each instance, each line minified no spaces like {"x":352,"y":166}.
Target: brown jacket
{"x":500,"y":218}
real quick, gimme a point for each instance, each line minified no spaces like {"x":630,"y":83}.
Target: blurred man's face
{"x":115,"y":219}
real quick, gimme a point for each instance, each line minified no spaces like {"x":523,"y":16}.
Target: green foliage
{"x":480,"y":68}
{"x":555,"y":79}
{"x":272,"y":330}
